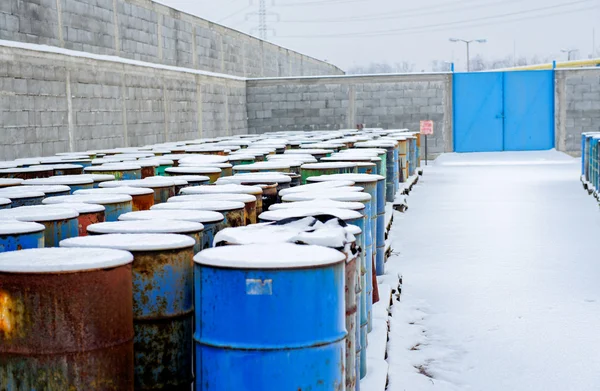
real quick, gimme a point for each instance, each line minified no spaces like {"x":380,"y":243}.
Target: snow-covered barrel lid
{"x":193,"y":170}
{"x":55,"y":260}
{"x":366,"y":151}
{"x":18,"y":170}
{"x":99,"y":178}
{"x":256,"y":178}
{"x":83,"y":208}
{"x":353,"y":229}
{"x":5,"y":201}
{"x":28,"y":161}
{"x":61,"y":180}
{"x":16,"y":227}
{"x":292,"y":158}
{"x":202,"y":160}
{"x":159,"y":160}
{"x":231,"y":188}
{"x":146,"y":227}
{"x":270,"y":165}
{"x":277,"y":215}
{"x":213,"y":197}
{"x":8,"y":182}
{"x":110,"y":167}
{"x":192,"y":178}
{"x":20,"y":193}
{"x":345,"y":196}
{"x":383,"y":143}
{"x":132,"y":191}
{"x":61,"y":166}
{"x":352,"y":157}
{"x":216,"y":206}
{"x":356,"y":178}
{"x":196,"y":216}
{"x":149,"y":183}
{"x":46,"y":189}
{"x":147,"y":163}
{"x":320,"y":203}
{"x":209,"y":148}
{"x":327,"y":165}
{"x":100,"y":199}
{"x":39,"y":213}
{"x":269,"y":256}
{"x":311,"y":151}
{"x":5,"y":165}
{"x":132,"y":242}
{"x":239,"y":156}
{"x":317,"y":187}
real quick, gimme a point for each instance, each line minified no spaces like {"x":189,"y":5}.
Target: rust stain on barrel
{"x":86,"y":219}
{"x":250,"y":212}
{"x":142,"y":202}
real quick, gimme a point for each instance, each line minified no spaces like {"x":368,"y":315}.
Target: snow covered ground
{"x":499,"y":254}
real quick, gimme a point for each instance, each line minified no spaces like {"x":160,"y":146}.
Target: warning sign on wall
{"x":427,"y":128}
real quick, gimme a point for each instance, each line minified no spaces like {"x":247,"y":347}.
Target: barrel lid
{"x":367,"y":151}
{"x":230,"y":188}
{"x":345,"y":196}
{"x":216,"y":206}
{"x":63,"y":166}
{"x":6,"y":182}
{"x":5,"y":201}
{"x":192,"y":178}
{"x":270,"y":165}
{"x":193,"y":170}
{"x":277,"y":215}
{"x":81,"y":207}
{"x":213,"y":197}
{"x":316,"y":187}
{"x":132,"y":242}
{"x":292,"y":158}
{"x":356,"y":178}
{"x":257,"y":177}
{"x":202,"y":160}
{"x":61,"y":180}
{"x":29,"y":161}
{"x":320,"y":203}
{"x":238,"y":156}
{"x":327,"y":166}
{"x":20,"y":193}
{"x":146,"y":227}
{"x":5,"y":165}
{"x":197,"y":216}
{"x":147,"y":163}
{"x":350,"y":157}
{"x":46,"y":189}
{"x":101,"y":199}
{"x":54,"y":260}
{"x":269,"y":256}
{"x":353,"y":229}
{"x":132,"y":191}
{"x":150,"y":182}
{"x":15,"y":227}
{"x":101,"y":177}
{"x":311,"y":151}
{"x":17,"y":170}
{"x":376,"y":144}
{"x":108,"y":167}
{"x":39,"y":213}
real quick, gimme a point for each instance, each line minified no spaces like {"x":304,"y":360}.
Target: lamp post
{"x":568,"y":51}
{"x":468,"y":42}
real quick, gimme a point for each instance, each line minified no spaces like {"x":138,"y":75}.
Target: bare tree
{"x":376,"y":68}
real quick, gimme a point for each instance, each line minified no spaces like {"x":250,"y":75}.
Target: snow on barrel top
{"x":258,"y":178}
{"x":333,"y":195}
{"x":277,"y":215}
{"x":356,"y":178}
{"x":102,"y":199}
{"x":321,"y":203}
{"x":316,"y":187}
{"x":230,"y":188}
{"x":81,"y":207}
{"x":5,"y":201}
{"x":132,"y":191}
{"x":216,"y":206}
{"x":269,"y":256}
{"x":213,"y":197}
{"x":39,"y":213}
{"x":198,"y":216}
{"x":15,"y":227}
{"x":132,"y":242}
{"x":145,"y":227}
{"x":53,"y":260}
{"x":61,"y":180}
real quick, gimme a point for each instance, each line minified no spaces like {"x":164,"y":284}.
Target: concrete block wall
{"x":390,"y":101}
{"x":577,"y":106}
{"x":52,"y":102}
{"x":147,"y":31}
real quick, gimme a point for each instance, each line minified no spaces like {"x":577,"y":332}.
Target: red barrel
{"x":88,"y":214}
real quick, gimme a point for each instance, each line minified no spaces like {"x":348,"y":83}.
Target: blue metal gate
{"x":503,"y":111}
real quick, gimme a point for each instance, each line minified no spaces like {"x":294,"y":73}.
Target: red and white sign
{"x":427,"y":128}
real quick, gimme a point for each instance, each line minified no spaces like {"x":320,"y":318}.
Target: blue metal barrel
{"x":232,"y":210}
{"x":114,"y":204}
{"x":21,"y":196}
{"x":5,"y":203}
{"x":380,"y":254}
{"x":100,"y":178}
{"x":284,"y":344}
{"x":163,"y":305}
{"x":121,"y":171}
{"x":48,"y":190}
{"x":75,"y":182}
{"x":20,"y":235}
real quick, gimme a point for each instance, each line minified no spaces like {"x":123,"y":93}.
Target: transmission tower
{"x":262,"y":29}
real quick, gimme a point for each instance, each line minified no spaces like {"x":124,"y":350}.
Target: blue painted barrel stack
{"x":590,"y":161}
{"x":246,"y":262}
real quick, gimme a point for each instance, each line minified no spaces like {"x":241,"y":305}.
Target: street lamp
{"x":468,"y":42}
{"x":568,"y":51}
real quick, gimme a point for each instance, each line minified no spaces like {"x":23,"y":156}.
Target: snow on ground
{"x":501,"y":277}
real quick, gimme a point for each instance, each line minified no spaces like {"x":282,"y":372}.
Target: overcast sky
{"x":357,"y":32}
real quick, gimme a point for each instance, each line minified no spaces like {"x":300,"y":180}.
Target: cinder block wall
{"x":387,"y":101}
{"x":577,"y":107}
{"x":53,"y":103}
{"x":147,"y":31}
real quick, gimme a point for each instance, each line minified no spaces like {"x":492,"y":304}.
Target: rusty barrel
{"x":255,"y":191}
{"x":163,"y":187}
{"x":284,"y":344}
{"x":148,"y":168}
{"x":232,"y":210}
{"x":60,"y":222}
{"x":75,"y":182}
{"x":67,"y":321}
{"x":20,"y":235}
{"x":20,"y":196}
{"x":249,"y":201}
{"x":121,"y":171}
{"x":5,"y":203}
{"x":48,"y":190}
{"x":114,"y":204}
{"x":165,"y":226}
{"x":88,"y":214}
{"x":213,"y":173}
{"x":316,"y":169}
{"x":163,"y":305}
{"x":10,"y":182}
{"x":208,"y":219}
{"x":141,"y":198}
{"x":27,"y":172}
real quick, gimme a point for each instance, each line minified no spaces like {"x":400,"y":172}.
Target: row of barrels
{"x":258,"y":276}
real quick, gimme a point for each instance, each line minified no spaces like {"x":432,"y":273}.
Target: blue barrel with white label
{"x":20,"y":235}
{"x":254,"y":329}
{"x":380,"y":241}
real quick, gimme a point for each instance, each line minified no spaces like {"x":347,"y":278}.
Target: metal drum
{"x":60,"y":222}
{"x":207,"y":218}
{"x":48,"y":190}
{"x":193,"y":180}
{"x":316,"y":169}
{"x":255,"y":191}
{"x":284,"y":344}
{"x":149,"y":167}
{"x":232,"y":210}
{"x":88,"y":214}
{"x":237,"y":160}
{"x":67,"y":169}
{"x":75,"y":182}
{"x":114,"y":204}
{"x":321,"y":186}
{"x":67,"y":320}
{"x":166,"y":226}
{"x":315,"y":152}
{"x":270,"y":166}
{"x":403,"y":159}
{"x":163,"y":305}
{"x":99,"y":178}
{"x":163,"y":187}
{"x":10,"y":182}
{"x":163,"y":164}
{"x":249,"y":201}
{"x":121,"y":171}
{"x":391,"y":164}
{"x":27,"y":172}
{"x":213,"y":173}
{"x":142,"y":198}
{"x":270,"y":183}
{"x":22,"y":197}
{"x":20,"y":235}
{"x":5,"y":203}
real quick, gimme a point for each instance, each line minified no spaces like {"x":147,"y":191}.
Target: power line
{"x":436,"y":25}
{"x":262,"y":14}
{"x":319,"y":2}
{"x":234,"y":13}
